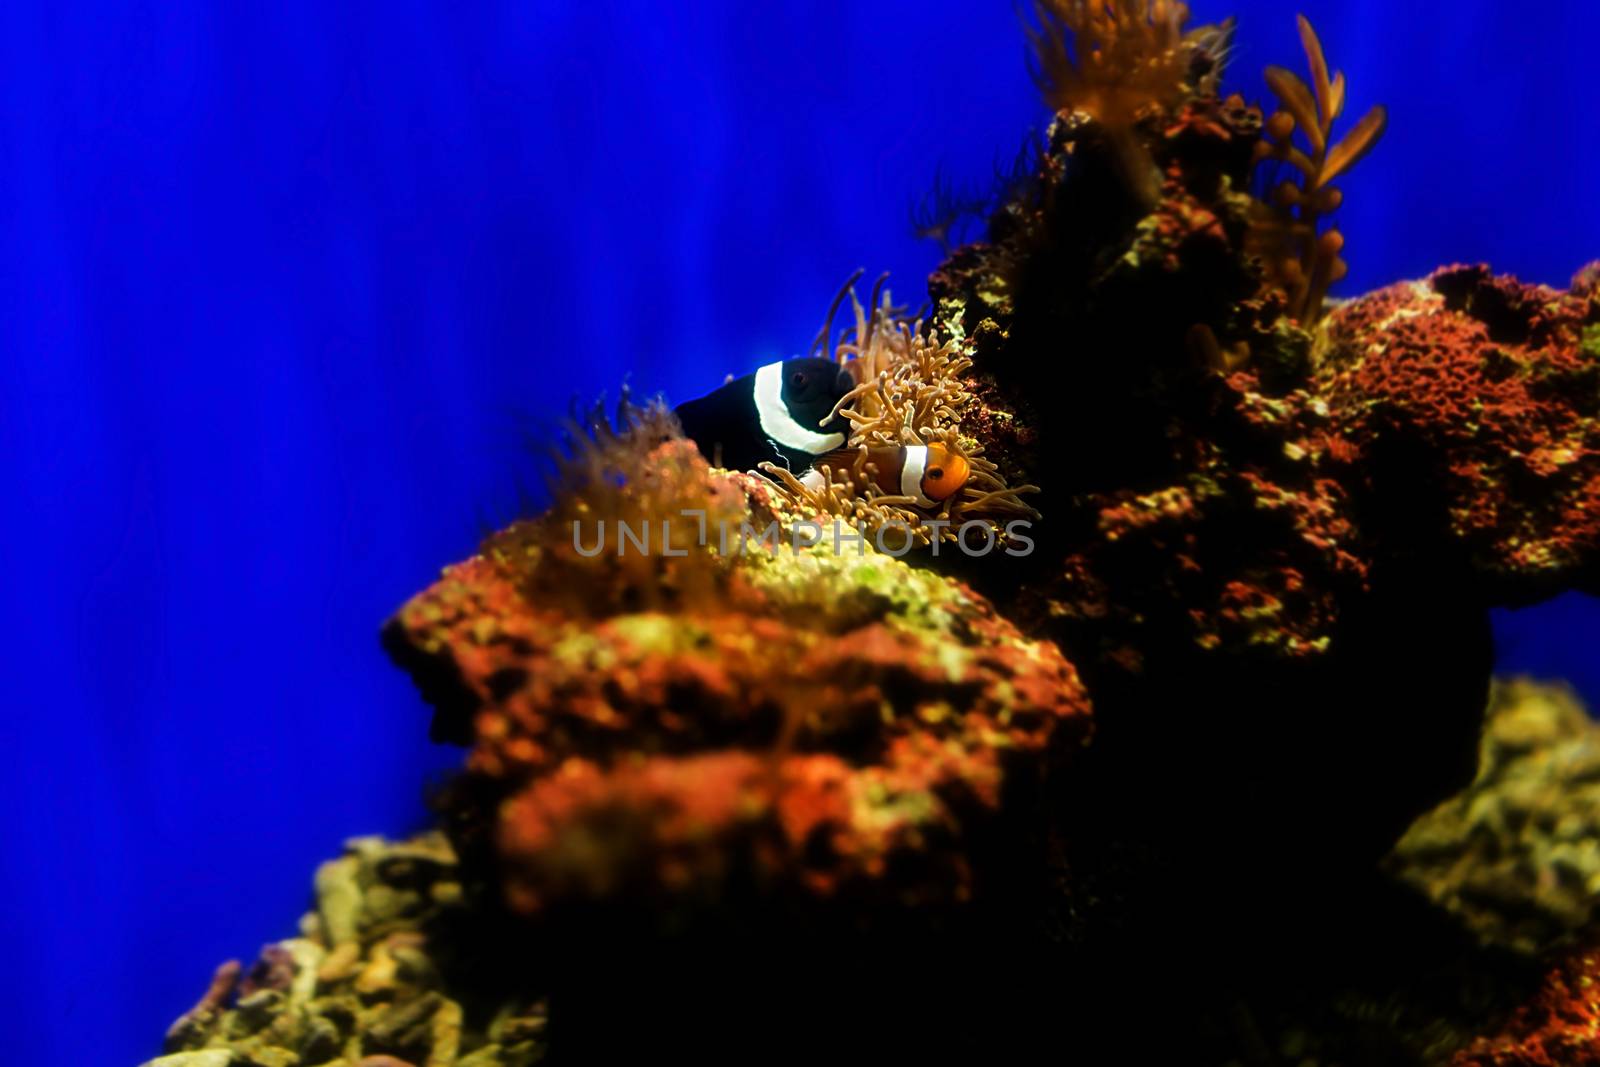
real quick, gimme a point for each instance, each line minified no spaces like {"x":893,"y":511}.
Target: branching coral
{"x":1132,"y":68}
{"x":911,"y":392}
{"x":1119,"y":60}
{"x":1299,"y":259}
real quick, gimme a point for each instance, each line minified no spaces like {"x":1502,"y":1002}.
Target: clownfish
{"x":928,"y":474}
{"x":779,"y":413}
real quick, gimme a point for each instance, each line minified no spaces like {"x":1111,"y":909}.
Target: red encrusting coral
{"x":1478,"y":391}
{"x":667,"y":825}
{"x":1494,"y":386}
{"x":825,"y":716}
{"x":1560,"y":1027}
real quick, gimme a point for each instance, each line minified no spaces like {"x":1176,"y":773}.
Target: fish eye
{"x":798,"y":379}
{"x":946,"y":474}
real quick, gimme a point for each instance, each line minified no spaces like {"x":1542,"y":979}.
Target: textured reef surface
{"x":824,"y":724}
{"x":1516,"y":856}
{"x":388,"y":968}
{"x":1126,"y":720}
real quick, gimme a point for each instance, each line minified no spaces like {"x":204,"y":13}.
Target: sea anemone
{"x":912,"y":391}
{"x":1121,"y":61}
{"x":631,"y":499}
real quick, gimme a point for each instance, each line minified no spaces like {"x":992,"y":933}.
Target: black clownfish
{"x":928,"y":474}
{"x":780,"y":413}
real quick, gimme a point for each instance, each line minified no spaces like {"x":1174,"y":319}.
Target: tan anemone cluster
{"x":1119,"y":61}
{"x":631,"y":503}
{"x":911,"y":391}
{"x":1112,"y":58}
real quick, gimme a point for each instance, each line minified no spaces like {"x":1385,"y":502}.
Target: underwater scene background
{"x":288,"y":292}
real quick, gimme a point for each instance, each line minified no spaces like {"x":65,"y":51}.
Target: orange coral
{"x":829,"y":715}
{"x":1299,"y":259}
{"x":1119,"y":60}
{"x":1558,"y":1027}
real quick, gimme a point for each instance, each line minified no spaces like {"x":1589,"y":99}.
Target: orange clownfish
{"x":928,"y":474}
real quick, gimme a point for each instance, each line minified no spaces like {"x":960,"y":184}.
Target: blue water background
{"x":283,"y":287}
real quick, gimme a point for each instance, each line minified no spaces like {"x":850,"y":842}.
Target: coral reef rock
{"x":1517,"y":855}
{"x":1271,"y":540}
{"x":1559,"y":1027}
{"x":794,"y":764}
{"x":383,"y":974}
{"x":833,"y":723}
{"x":1491,"y":389}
